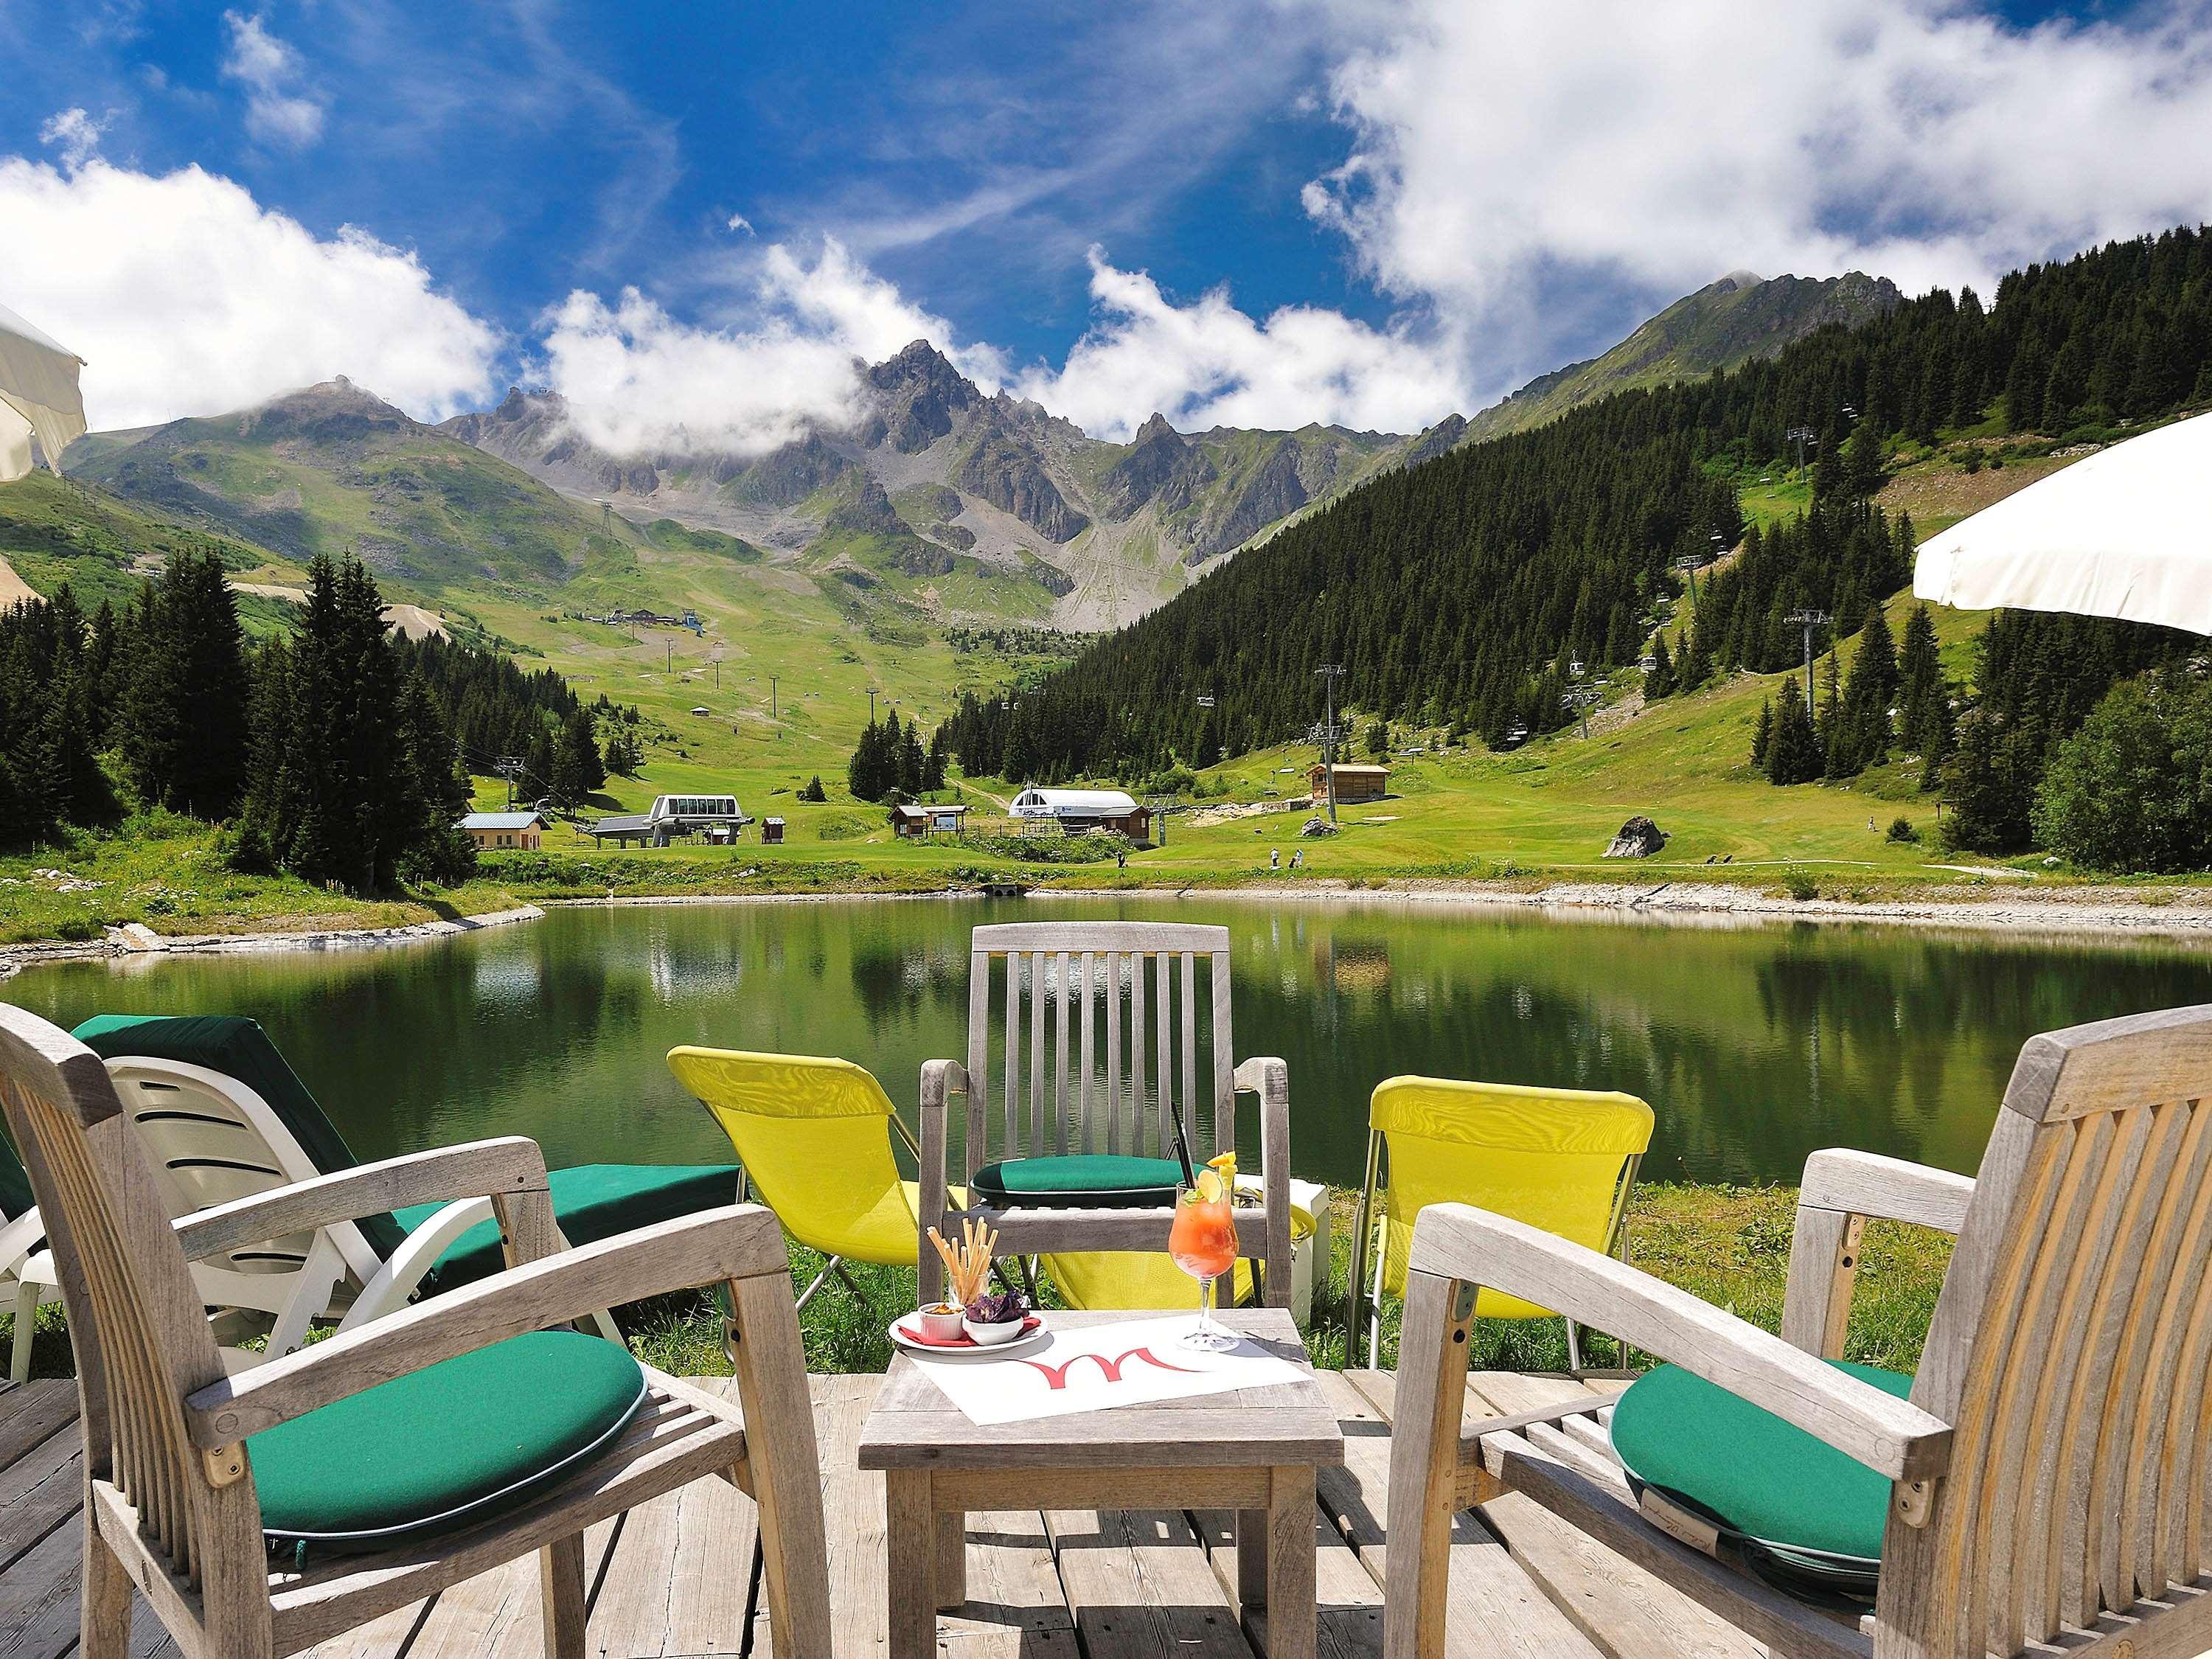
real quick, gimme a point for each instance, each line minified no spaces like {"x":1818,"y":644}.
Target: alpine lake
{"x":1756,"y":1043}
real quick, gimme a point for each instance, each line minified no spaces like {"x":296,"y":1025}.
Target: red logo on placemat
{"x":1055,"y":1376}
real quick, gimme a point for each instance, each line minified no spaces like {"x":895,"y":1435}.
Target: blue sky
{"x":1366,"y":210}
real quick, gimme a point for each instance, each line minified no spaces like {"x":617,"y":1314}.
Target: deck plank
{"x":1349,"y":1602}
{"x":1493,"y":1608}
{"x":38,"y":1492}
{"x":1625,"y":1611}
{"x":676,"y":1583}
{"x":1140,"y":1586}
{"x":36,"y":1412}
{"x":38,"y":1596}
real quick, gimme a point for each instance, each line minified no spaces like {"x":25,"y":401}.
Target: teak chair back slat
{"x":2069,"y":1351}
{"x":1077,"y":1077}
{"x":1099,"y":1038}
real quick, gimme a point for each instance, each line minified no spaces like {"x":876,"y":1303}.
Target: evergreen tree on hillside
{"x":273,"y":777}
{"x":185,"y":742}
{"x":578,"y":772}
{"x":437,"y":784}
{"x":1660,"y":681}
{"x":934,"y":775}
{"x":1762,"y":734}
{"x":1927,"y":726}
{"x":1694,"y":665}
{"x":346,"y":801}
{"x":1862,"y":734}
{"x":1793,"y":748}
{"x":913,"y":762}
{"x":1990,"y":788}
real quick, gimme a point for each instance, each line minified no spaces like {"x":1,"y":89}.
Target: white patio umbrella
{"x":2126,"y":533}
{"x":39,"y":397}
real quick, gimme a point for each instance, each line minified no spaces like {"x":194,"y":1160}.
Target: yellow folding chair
{"x":1561,"y":1159}
{"x":810,"y":1135}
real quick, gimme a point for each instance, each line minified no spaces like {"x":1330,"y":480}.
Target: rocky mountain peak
{"x":332,"y":411}
{"x":917,"y":394}
{"x":1154,"y":429}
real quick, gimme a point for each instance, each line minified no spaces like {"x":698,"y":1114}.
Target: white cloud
{"x":270,"y":71}
{"x":637,"y":379}
{"x":739,"y":224}
{"x":1509,"y":154}
{"x":76,"y":133}
{"x":1208,"y":363}
{"x":187,"y":297}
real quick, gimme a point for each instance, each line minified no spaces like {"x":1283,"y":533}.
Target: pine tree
{"x":187,"y":743}
{"x":913,"y":764}
{"x":1793,"y":748}
{"x":1762,"y":734}
{"x":1928,"y":729}
{"x":350,"y":784}
{"x":814,"y":791}
{"x":1659,"y":682}
{"x":1862,"y":734}
{"x":438,"y":785}
{"x":578,"y":770}
{"x":1694,"y":665}
{"x":934,"y":771}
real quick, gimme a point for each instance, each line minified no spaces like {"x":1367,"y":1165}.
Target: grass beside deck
{"x":1729,"y":1246}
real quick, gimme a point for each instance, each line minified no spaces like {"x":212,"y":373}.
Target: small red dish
{"x":912,"y":1334}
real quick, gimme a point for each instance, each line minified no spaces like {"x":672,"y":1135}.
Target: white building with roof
{"x":1079,"y":809}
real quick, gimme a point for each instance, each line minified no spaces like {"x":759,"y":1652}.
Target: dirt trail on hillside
{"x":14,"y":590}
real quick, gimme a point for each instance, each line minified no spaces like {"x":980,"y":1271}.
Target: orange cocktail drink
{"x":1203,"y":1243}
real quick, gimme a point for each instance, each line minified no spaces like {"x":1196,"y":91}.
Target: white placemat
{"x":1107,"y":1365}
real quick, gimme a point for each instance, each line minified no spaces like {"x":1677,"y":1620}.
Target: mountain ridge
{"x":1728,"y":322}
{"x":956,"y":503}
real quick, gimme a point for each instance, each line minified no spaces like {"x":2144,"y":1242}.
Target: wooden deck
{"x":668,"y":1579}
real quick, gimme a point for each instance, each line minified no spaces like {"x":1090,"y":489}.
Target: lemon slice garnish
{"x":1211,"y":1186}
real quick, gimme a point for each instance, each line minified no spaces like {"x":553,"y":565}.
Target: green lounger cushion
{"x":238,"y":1047}
{"x":1083,"y":1182}
{"x":445,"y":1447}
{"x":591,"y":1201}
{"x":1804,"y":1512}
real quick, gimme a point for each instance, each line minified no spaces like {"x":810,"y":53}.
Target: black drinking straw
{"x":1182,"y":1151}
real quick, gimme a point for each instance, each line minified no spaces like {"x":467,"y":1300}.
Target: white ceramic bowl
{"x":990,"y":1335}
{"x":941,"y":1327}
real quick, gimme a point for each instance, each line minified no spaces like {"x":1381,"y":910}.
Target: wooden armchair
{"x":1092,"y":1085}
{"x":2037,"y":1487}
{"x":184,"y":1464}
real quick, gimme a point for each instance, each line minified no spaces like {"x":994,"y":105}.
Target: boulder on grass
{"x":1639,"y":838}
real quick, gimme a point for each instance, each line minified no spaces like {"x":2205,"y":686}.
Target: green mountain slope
{"x":1724,"y":324}
{"x":335,"y":469}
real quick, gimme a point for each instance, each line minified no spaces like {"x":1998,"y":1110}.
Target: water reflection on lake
{"x":1755,"y":1044}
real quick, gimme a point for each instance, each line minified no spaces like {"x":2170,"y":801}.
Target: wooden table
{"x":1252,"y":1450}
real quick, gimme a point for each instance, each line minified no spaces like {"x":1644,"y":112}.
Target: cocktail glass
{"x":1203,"y":1243}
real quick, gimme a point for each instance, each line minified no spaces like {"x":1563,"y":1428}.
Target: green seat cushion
{"x":447,"y":1446}
{"x":1804,"y":1511}
{"x":238,"y":1047}
{"x":1082,"y":1182}
{"x":591,"y":1201}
